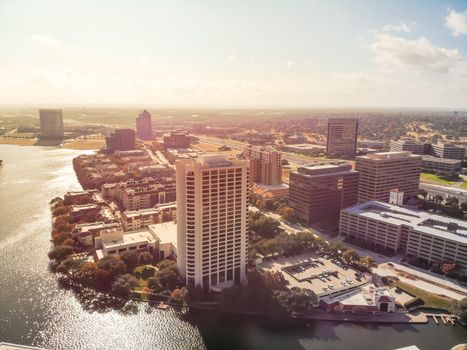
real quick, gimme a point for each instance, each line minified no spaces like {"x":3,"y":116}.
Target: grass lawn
{"x":430,"y":299}
{"x":426,"y":177}
{"x":464,"y":185}
{"x":142,"y":283}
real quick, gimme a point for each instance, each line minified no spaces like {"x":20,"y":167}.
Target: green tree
{"x":296,"y":299}
{"x":112,"y":264}
{"x":130,"y":259}
{"x":124,"y":284}
{"x":103,"y":279}
{"x":60,"y":252}
{"x":145,"y":258}
{"x":350,"y":256}
{"x":459,"y":307}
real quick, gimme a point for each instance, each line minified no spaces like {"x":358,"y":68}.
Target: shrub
{"x":60,"y":252}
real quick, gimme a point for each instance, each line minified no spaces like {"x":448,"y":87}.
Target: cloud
{"x":457,"y":22}
{"x":289,"y":65}
{"x":232,"y":58}
{"x":399,"y":28}
{"x":45,"y":40}
{"x":419,"y":54}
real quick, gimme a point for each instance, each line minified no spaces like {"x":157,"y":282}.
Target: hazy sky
{"x":236,"y":53}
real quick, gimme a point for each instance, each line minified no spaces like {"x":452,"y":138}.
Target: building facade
{"x":416,"y":233}
{"x":265,"y":165}
{"x":121,"y":139}
{"x":212,"y":217}
{"x":342,"y":137}
{"x":447,"y":150}
{"x":51,"y":121}
{"x":144,"y":125}
{"x":407,"y":146}
{"x":319,"y":192}
{"x":442,"y":166}
{"x":384,"y":171}
{"x":177,"y":139}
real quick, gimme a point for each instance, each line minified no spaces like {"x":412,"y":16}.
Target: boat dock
{"x":447,"y":319}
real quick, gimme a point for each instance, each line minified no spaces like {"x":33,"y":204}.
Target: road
{"x":444,"y":191}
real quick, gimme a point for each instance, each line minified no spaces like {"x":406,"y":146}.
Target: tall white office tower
{"x":212,"y":221}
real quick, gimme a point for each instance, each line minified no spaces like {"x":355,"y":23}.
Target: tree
{"x":60,"y":210}
{"x":464,"y":206}
{"x":130,"y":259}
{"x":168,"y":278}
{"x":69,"y":242}
{"x":350,"y":256}
{"x":264,"y":226}
{"x":124,"y":284}
{"x":60,"y":252}
{"x":459,"y":307}
{"x":288,"y":213}
{"x":59,"y":238}
{"x":87,"y":273}
{"x":102,"y":279}
{"x":69,"y":266}
{"x":274,"y":280}
{"x":449,"y":268}
{"x":145,"y":258}
{"x":368,"y":261}
{"x":296,"y":299}
{"x":112,"y":264}
{"x":422,"y":193}
{"x":154,"y":285}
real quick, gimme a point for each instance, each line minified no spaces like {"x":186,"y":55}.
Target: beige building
{"x":212,"y":215}
{"x":342,"y":137}
{"x":137,"y":219}
{"x":265,"y":164}
{"x":417,"y":233}
{"x":384,"y":171}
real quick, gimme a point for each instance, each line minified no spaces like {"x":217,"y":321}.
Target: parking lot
{"x":323,"y":276}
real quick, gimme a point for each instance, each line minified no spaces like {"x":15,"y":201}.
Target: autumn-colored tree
{"x":102,"y":279}
{"x":87,"y":273}
{"x":69,"y":242}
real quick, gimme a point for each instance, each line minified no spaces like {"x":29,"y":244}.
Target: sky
{"x":245,"y":53}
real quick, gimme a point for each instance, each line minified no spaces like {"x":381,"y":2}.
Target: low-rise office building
{"x":431,"y":237}
{"x":408,"y":145}
{"x":442,"y":166}
{"x":113,"y":242}
{"x":447,"y":150}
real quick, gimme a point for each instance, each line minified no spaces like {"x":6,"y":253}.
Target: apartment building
{"x":417,"y":233}
{"x":212,"y":234}
{"x":342,"y":137}
{"x":442,"y":166}
{"x":318,"y":192}
{"x":408,"y":145}
{"x":265,"y":164}
{"x":86,"y":233}
{"x":138,"y":219}
{"x":381,"y":172}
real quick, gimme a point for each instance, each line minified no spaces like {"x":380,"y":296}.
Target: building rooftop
{"x":422,"y":221}
{"x":389,"y":155}
{"x":130,"y":238}
{"x":441,"y":160}
{"x":166,"y":232}
{"x":325,"y":169}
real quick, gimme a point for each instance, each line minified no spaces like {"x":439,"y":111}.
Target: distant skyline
{"x":234,"y":53}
